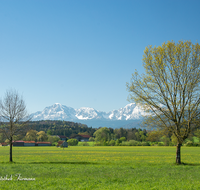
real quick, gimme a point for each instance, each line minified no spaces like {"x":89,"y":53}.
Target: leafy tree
{"x":154,"y":136}
{"x":91,"y":139}
{"x":112,"y":143}
{"x":31,"y":135}
{"x":131,"y":135}
{"x":122,"y":139}
{"x":13,"y":116}
{"x":170,"y":87}
{"x":42,"y":136}
{"x":53,"y":139}
{"x":49,"y":132}
{"x":197,"y":133}
{"x":120,"y":132}
{"x":72,"y":142}
{"x":102,"y":134}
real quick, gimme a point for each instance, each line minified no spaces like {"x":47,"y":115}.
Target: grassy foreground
{"x":100,"y":168}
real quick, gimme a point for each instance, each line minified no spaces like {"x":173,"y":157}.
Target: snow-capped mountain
{"x":89,"y":115}
{"x":62,"y":112}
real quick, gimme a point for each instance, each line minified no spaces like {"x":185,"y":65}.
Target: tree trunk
{"x":11,"y":144}
{"x":178,"y":153}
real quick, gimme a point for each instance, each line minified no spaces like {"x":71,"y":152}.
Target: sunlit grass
{"x":84,"y":167}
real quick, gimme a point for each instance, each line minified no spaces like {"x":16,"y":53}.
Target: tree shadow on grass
{"x":187,"y":164}
{"x":79,"y":163}
{"x":190,"y":164}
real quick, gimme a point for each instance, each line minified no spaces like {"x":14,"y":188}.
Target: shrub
{"x":85,"y":144}
{"x":54,"y":144}
{"x":124,"y":143}
{"x":133,"y":143}
{"x":91,"y":139}
{"x":112,"y":143}
{"x":145,"y":143}
{"x":72,"y":142}
{"x":118,"y":142}
{"x":97,"y":144}
{"x":189,"y":143}
{"x":122,"y":139}
{"x":160,"y":144}
{"x":105,"y":143}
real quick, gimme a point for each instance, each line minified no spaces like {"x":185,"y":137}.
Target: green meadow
{"x":102,"y":167}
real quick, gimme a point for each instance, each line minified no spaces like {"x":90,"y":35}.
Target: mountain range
{"x":127,"y":117}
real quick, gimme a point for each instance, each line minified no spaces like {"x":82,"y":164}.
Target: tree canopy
{"x":13,"y":116}
{"x":169,"y":89}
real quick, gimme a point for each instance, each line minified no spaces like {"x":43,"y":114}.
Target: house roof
{"x":84,"y":136}
{"x":62,"y":136}
{"x":29,"y":141}
{"x":3,"y":143}
{"x":60,"y":142}
{"x":43,"y":142}
{"x":18,"y":141}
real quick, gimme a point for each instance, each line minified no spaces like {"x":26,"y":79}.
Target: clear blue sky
{"x":81,"y":53}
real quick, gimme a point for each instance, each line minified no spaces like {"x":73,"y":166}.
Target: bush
{"x":97,"y":144}
{"x":145,"y":143}
{"x":105,"y":143}
{"x":111,"y":143}
{"x":124,"y":143}
{"x":54,"y":144}
{"x":132,"y":143}
{"x":91,"y":139}
{"x":72,"y":142}
{"x":122,"y":139}
{"x":171,"y":144}
{"x":85,"y":144}
{"x":160,"y":144}
{"x":189,"y":143}
{"x":118,"y":142}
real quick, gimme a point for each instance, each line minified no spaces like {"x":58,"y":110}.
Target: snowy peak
{"x":61,"y":112}
{"x":129,"y":112}
{"x":86,"y":113}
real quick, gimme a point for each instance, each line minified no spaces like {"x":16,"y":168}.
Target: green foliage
{"x":170,"y":88}
{"x":57,"y":127}
{"x":98,"y":144}
{"x":42,"y":136}
{"x":54,"y":144}
{"x":53,"y":139}
{"x":122,"y":139}
{"x":160,"y":144}
{"x":133,"y":143}
{"x":103,"y":134}
{"x":154,"y":136}
{"x":49,"y":132}
{"x":72,"y":142}
{"x":145,"y":143}
{"x":111,"y":143}
{"x":91,"y":139}
{"x":31,"y":135}
{"x":84,"y":144}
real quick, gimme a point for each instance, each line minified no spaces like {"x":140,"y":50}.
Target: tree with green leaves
{"x":13,"y":116}
{"x":103,"y":134}
{"x":42,"y":136}
{"x":31,"y":135}
{"x":169,"y":89}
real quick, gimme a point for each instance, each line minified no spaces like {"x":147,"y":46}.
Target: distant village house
{"x":82,"y":138}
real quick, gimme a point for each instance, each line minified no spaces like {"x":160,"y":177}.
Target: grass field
{"x":100,"y":167}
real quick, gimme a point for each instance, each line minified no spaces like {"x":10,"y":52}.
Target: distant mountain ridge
{"x":89,"y":116}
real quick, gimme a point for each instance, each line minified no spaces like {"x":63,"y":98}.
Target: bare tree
{"x":170,"y":88}
{"x":13,"y":115}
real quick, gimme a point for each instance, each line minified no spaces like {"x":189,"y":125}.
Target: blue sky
{"x":81,"y":53}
